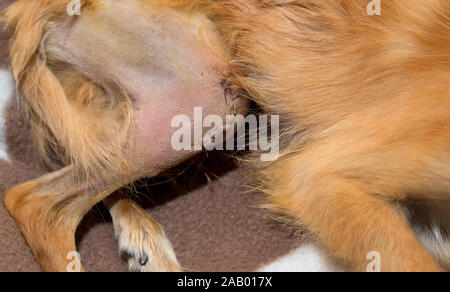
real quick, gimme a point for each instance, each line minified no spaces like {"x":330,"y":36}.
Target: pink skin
{"x":167,"y":62}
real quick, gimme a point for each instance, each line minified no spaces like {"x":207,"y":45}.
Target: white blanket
{"x":6,"y":90}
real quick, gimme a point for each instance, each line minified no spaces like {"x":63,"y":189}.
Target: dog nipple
{"x":229,"y":91}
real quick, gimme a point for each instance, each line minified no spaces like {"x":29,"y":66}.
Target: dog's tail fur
{"x":73,"y":120}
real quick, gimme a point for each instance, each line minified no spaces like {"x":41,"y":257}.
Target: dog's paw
{"x":143,"y":244}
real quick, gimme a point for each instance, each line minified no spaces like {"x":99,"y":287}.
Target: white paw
{"x":144,"y":245}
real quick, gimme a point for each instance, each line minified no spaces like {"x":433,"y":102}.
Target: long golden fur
{"x":364,"y":102}
{"x":365,"y":106}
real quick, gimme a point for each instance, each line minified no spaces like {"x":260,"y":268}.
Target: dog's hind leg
{"x":141,"y":239}
{"x":353,"y":224}
{"x":48,"y":215}
{"x":350,"y":215}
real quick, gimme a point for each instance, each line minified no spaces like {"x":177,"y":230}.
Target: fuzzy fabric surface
{"x":214,"y":224}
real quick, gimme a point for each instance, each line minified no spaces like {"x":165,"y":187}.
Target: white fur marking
{"x":308,"y":258}
{"x":437,"y":233}
{"x":6,"y":90}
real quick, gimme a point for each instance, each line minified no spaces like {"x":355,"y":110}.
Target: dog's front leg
{"x":141,"y":239}
{"x":48,"y":215}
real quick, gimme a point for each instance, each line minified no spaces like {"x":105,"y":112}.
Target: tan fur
{"x":363,"y":101}
{"x":48,"y":215}
{"x":69,"y":125}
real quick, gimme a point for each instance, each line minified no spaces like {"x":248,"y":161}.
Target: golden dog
{"x":363,"y":99}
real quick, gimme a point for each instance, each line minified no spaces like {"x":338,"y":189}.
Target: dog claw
{"x":145,"y":248}
{"x":144,"y":260}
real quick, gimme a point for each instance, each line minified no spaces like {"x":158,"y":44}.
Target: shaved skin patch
{"x":6,"y":90}
{"x":308,"y":258}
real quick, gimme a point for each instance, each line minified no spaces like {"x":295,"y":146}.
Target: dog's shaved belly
{"x":167,"y":62}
